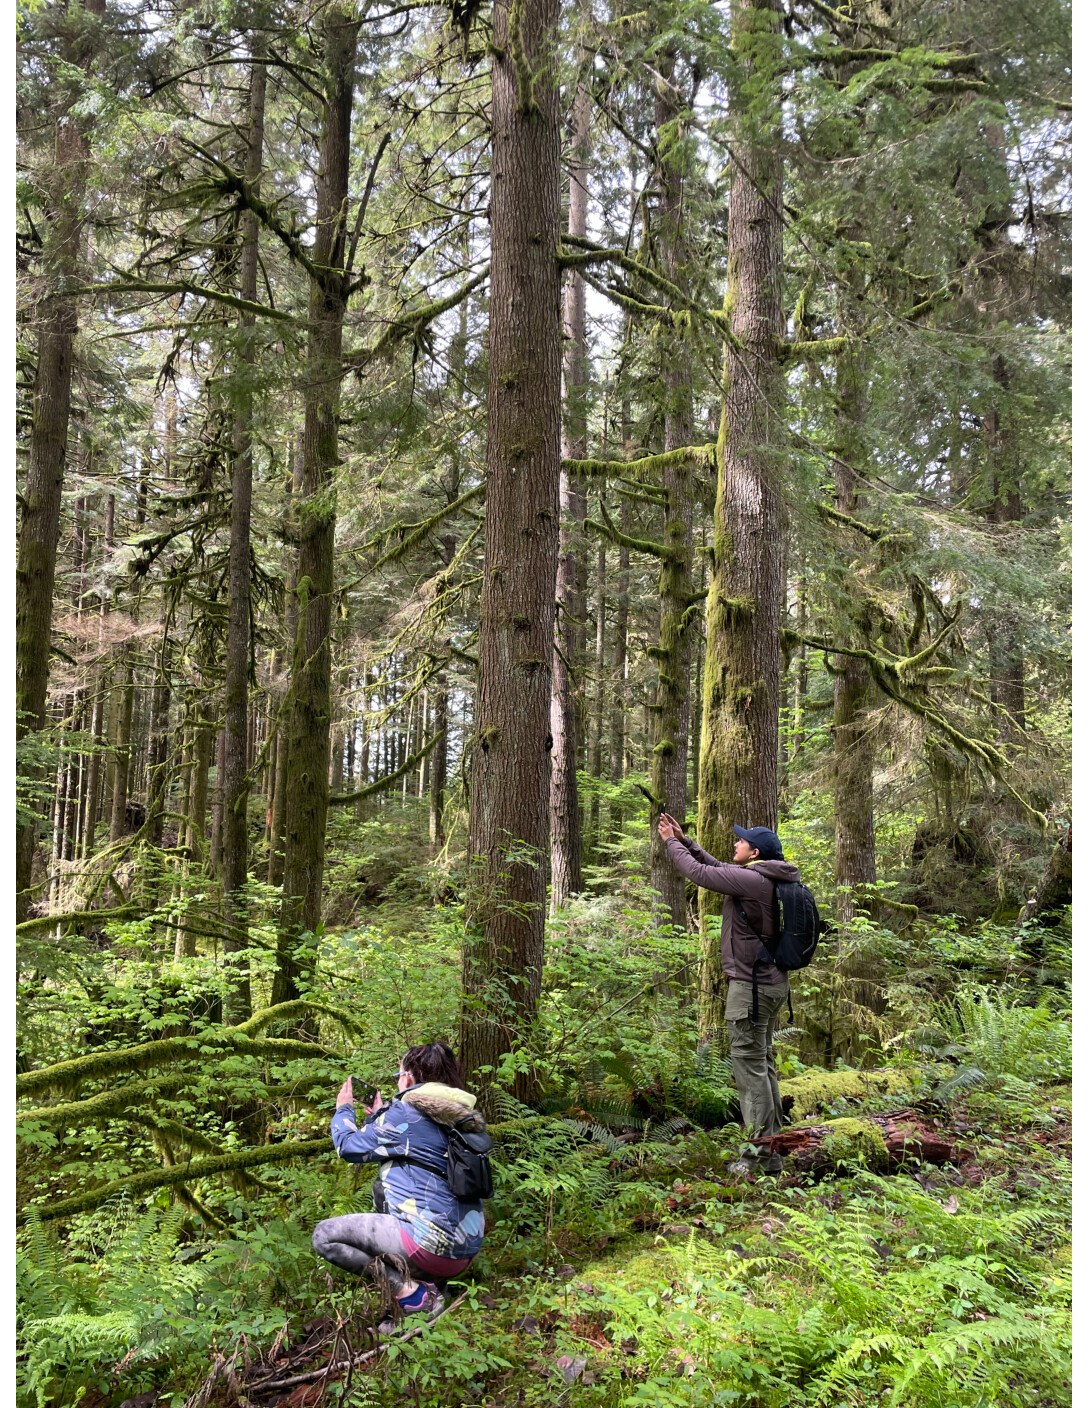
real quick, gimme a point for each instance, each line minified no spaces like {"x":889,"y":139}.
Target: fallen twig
{"x":275,"y":1385}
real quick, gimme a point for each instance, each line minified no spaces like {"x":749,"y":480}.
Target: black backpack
{"x":468,"y":1168}
{"x":797,"y":931}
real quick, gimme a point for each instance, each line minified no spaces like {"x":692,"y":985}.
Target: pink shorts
{"x":430,"y":1264}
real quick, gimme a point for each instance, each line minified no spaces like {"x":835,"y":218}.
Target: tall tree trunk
{"x":800,"y":678}
{"x":58,"y":314}
{"x":308,"y":750}
{"x":364,"y":758}
{"x":439,"y":764}
{"x":336,"y":761}
{"x":671,"y":712}
{"x":215,"y":845}
{"x":739,"y":764}
{"x":279,"y":796}
{"x":596,"y":747}
{"x":617,"y":732}
{"x":94,"y":767}
{"x":122,"y":741}
{"x":511,"y":765}
{"x":1006,"y":649}
{"x":855,"y":839}
{"x":566,"y":830}
{"x":233,"y":781}
{"x":279,"y":811}
{"x":159,"y":746}
{"x":204,"y":742}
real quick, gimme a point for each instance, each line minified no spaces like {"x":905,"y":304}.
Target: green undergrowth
{"x":614,"y":1273}
{"x":624,"y":1262}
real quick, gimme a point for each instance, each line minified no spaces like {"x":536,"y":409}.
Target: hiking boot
{"x":431,"y":1307}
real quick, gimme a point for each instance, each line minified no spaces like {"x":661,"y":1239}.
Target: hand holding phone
{"x":364,"y":1092}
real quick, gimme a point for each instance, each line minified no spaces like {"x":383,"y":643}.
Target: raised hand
{"x":669,"y":829}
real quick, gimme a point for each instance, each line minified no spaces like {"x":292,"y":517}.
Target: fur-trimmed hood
{"x":444,"y":1104}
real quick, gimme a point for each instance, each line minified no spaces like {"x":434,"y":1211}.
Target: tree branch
{"x":384,"y":782}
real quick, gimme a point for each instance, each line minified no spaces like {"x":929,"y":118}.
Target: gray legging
{"x":356,"y":1241}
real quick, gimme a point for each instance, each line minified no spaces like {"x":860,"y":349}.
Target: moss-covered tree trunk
{"x":307,"y":795}
{"x":204,"y":746}
{"x":672,"y":655}
{"x":566,"y":830}
{"x":57,"y":316}
{"x":511,"y":762}
{"x":439,"y":764}
{"x":234,"y":784}
{"x":596,"y":738}
{"x":855,"y":837}
{"x":738,"y":769}
{"x":618,"y":691}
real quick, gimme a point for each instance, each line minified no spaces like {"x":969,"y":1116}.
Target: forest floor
{"x":929,"y":1284}
{"x":624,"y":1264}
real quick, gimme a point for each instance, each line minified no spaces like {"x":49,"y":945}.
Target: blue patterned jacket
{"x":417,"y":1193}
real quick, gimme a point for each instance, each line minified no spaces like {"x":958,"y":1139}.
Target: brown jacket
{"x":748,"y":883}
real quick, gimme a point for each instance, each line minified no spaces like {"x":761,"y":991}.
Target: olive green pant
{"x":751,"y":1050}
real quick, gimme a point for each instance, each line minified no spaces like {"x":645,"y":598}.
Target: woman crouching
{"x":419,"y":1232}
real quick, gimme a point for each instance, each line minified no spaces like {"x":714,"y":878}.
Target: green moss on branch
{"x":608,"y":530}
{"x":139,"y":1183}
{"x":648,"y":464}
{"x":68,"y":1075}
{"x":387,"y":781}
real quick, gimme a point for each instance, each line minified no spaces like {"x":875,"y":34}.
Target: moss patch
{"x":859,"y":1140}
{"x":816,"y":1090}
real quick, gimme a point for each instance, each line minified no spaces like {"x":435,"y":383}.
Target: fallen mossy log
{"x":815,"y":1090}
{"x":138,"y":1183}
{"x":877,"y":1141}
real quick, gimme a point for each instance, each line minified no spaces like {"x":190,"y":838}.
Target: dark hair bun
{"x":435,"y":1061}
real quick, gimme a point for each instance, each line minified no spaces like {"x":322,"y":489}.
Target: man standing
{"x":757,"y":989}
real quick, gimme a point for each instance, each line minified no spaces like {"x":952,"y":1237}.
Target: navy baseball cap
{"x":763,"y":839}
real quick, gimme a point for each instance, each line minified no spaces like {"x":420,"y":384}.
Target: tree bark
{"x":511,"y":765}
{"x":234,"y":784}
{"x":566,"y":829}
{"x":159,"y":747}
{"x":671,"y":710}
{"x":204,"y":739}
{"x":855,"y":838}
{"x":439,"y":765}
{"x":122,"y":738}
{"x":94,"y":768}
{"x":1006,"y":650}
{"x":40,"y":524}
{"x":308,"y":751}
{"x":596,"y":746}
{"x":617,"y":722}
{"x":739,"y":764}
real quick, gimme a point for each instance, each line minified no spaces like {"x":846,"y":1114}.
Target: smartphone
{"x":362,"y":1091}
